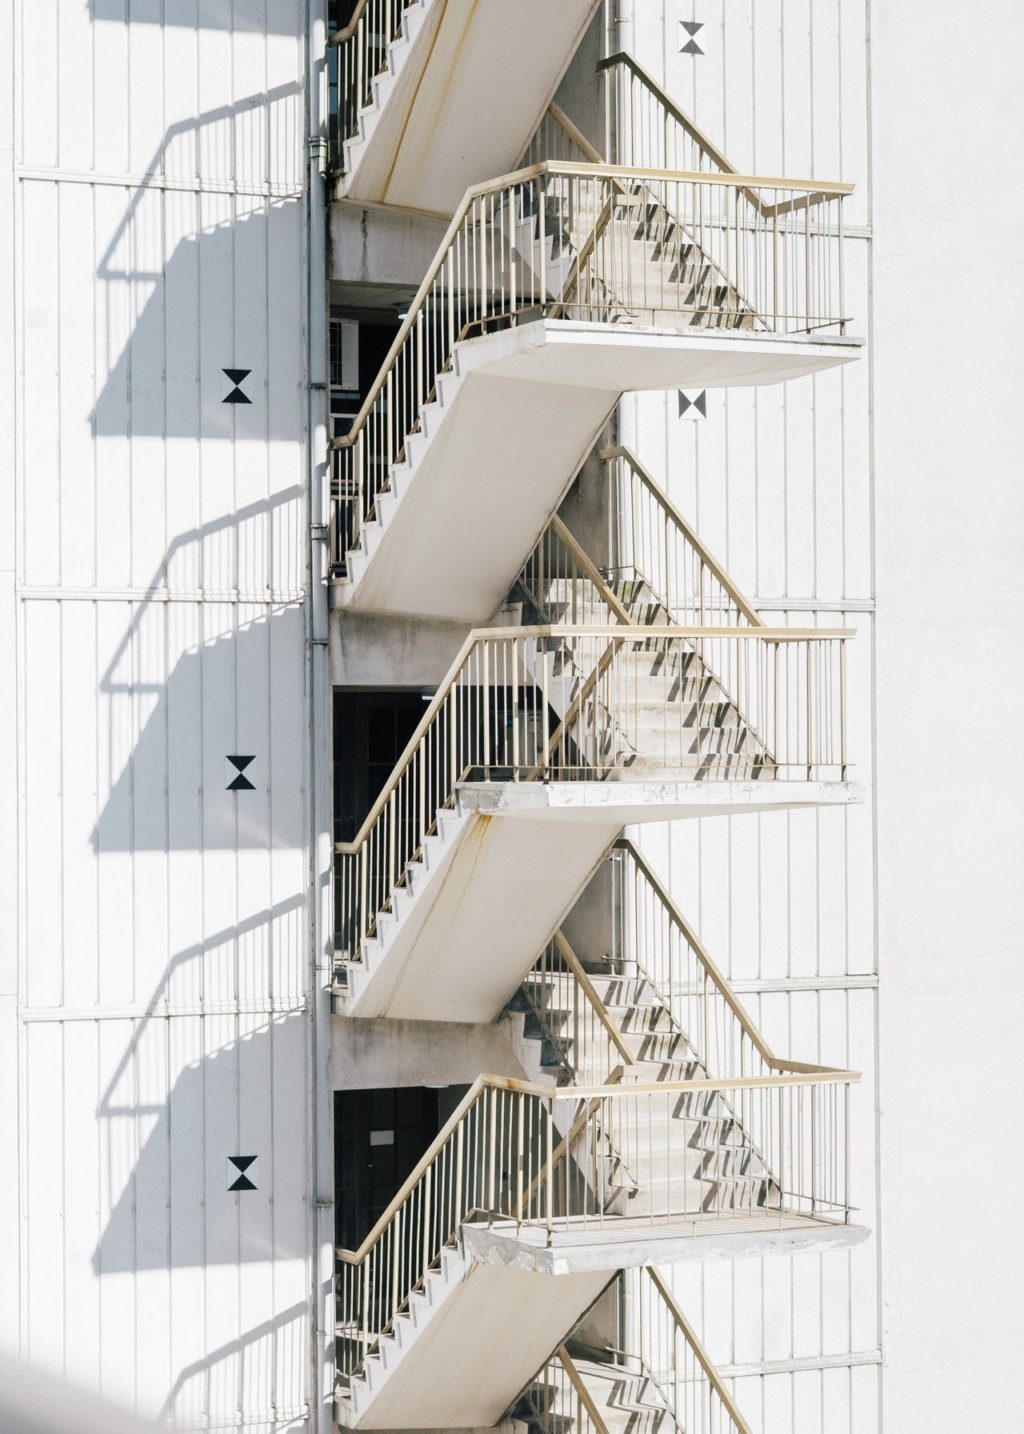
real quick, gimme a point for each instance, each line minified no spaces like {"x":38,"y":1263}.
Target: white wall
{"x":948,"y":299}
{"x":162,"y":930}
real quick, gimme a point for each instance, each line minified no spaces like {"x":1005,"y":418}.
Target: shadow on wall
{"x":236,"y":687}
{"x":275,"y":17}
{"x":241,"y":1085}
{"x":189,"y":264}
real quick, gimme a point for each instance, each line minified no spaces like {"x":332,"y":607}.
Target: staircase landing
{"x":620,"y":1242}
{"x":654,"y":799}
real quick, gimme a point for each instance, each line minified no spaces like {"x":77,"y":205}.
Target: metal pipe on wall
{"x":320,"y":1182}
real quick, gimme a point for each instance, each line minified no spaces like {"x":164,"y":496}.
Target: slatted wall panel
{"x":162,"y":570}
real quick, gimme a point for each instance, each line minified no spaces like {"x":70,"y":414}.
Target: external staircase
{"x":659,"y":1127}
{"x":555,"y":290}
{"x":648,"y":692}
{"x":641,"y":1372}
{"x":436,"y":95}
{"x":655,"y":1124}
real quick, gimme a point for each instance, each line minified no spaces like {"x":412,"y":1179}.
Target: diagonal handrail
{"x":676,"y":519}
{"x":707,"y":146}
{"x":600,"y":1012}
{"x":714,"y":973}
{"x":700,"y":1353}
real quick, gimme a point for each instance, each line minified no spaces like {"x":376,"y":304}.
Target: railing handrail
{"x":347,"y":31}
{"x":590,"y":1093}
{"x":569,"y":956}
{"x":623,"y":57}
{"x":767,"y":211}
{"x":574,"y":133}
{"x":688,"y":1333}
{"x":583,"y":1393}
{"x":716,"y":568}
{"x":590,"y":570}
{"x":523,"y":176}
{"x":632,"y":633}
{"x":716,"y":975}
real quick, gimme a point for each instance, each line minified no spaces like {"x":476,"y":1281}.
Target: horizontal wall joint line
{"x":192,"y":184}
{"x":864,"y":981}
{"x":786,"y":604}
{"x":164,"y":1011}
{"x":854,"y":1359}
{"x":36,"y":592}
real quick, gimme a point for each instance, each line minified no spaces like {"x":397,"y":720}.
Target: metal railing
{"x":597,"y":244}
{"x":597,"y":703}
{"x":560,"y":583}
{"x":356,"y":54}
{"x":557,"y":1400}
{"x":649,"y":128}
{"x":557,"y":138}
{"x":672,"y":575}
{"x":571,"y":1162}
{"x":668,"y":1351}
{"x":651,"y":938}
{"x":574,"y":1022}
{"x":657,"y":1372}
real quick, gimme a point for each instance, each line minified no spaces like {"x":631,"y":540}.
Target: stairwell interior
{"x":564,"y":672}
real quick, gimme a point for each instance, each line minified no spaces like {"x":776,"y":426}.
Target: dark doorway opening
{"x":379,"y":1135}
{"x":371,"y":731}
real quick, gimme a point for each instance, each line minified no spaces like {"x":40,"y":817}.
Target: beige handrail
{"x":523,"y":176}
{"x":583,"y":1393}
{"x":779,"y":635}
{"x":340,"y":36}
{"x":676,"y":518}
{"x":688,"y":1333}
{"x":595,"y":1093}
{"x":570,"y":958}
{"x":589,"y":569}
{"x":767,"y":211}
{"x":482,"y":1083}
{"x":714,"y":972}
{"x":575,"y":134}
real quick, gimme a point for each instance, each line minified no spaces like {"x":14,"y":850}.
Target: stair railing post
{"x":428,"y":1213}
{"x":550,"y":1172}
{"x":842,"y":268}
{"x":814,"y":1149}
{"x":810,"y":710}
{"x":842,"y":708}
{"x":846,"y":1153}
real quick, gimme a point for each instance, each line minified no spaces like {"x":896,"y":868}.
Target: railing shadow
{"x":251,"y":657}
{"x":183,"y":256}
{"x":237,"y":1071}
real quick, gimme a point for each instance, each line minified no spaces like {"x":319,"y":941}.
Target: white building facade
{"x":356,"y":819}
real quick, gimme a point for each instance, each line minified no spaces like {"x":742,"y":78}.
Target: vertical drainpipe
{"x":320,"y":1182}
{"x":620,"y":32}
{"x":619,"y":29}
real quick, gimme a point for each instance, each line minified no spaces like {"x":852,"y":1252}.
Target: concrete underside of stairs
{"x":463,"y":98}
{"x":479,"y":918}
{"x":633,"y":802}
{"x":487,"y":1337}
{"x":620,"y":1243}
{"x":474,"y":920}
{"x":509,"y":429}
